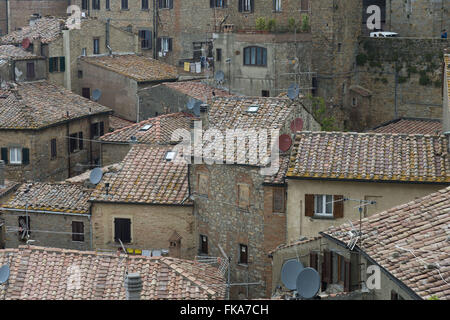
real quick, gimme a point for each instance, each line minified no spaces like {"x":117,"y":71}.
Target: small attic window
{"x":145,"y":127}
{"x":170,"y":155}
{"x":253,"y":108}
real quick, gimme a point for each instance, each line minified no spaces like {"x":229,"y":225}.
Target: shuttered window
{"x":53,"y":150}
{"x":279,"y":197}
{"x":324,"y":205}
{"x":77,"y":231}
{"x":246,"y":5}
{"x":146,"y":39}
{"x":4,"y":155}
{"x":243,"y":254}
{"x":96,"y":46}
{"x":255,"y":56}
{"x":107,"y":5}
{"x":166,"y":4}
{"x":86,"y":92}
{"x":30,"y":71}
{"x":243,"y":196}
{"x":15,"y":155}
{"x":124,"y":4}
{"x":73,"y":142}
{"x":144,"y":5}
{"x":122,"y":230}
{"x":84,"y":4}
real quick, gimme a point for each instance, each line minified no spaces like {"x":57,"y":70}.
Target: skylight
{"x":170,"y":155}
{"x":253,"y":108}
{"x":145,"y":127}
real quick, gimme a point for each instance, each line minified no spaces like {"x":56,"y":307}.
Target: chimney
{"x":204,"y":115}
{"x":2,"y":173}
{"x":133,"y":286}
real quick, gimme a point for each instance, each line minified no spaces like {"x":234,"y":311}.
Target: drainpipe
{"x":108,"y":21}
{"x":66,"y":50}
{"x":155,"y":28}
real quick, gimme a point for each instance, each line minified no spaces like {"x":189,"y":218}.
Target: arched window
{"x":255,"y":56}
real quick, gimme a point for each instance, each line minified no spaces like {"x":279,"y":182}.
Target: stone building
{"x":45,"y":131}
{"x":52,"y":214}
{"x":332,"y":173}
{"x":18,"y":65}
{"x":406,"y":244}
{"x":123,"y":80}
{"x":171,"y":97}
{"x":51,"y":38}
{"x":146,"y":205}
{"x":153,"y":131}
{"x":237,"y":208}
{"x":15,"y":14}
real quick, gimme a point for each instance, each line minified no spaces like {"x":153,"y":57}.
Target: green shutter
{"x":62,"y":64}
{"x":5,"y":155}
{"x":25,"y":156}
{"x":50,"y":64}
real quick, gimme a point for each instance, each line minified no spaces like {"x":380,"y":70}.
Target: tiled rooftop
{"x":116,"y":122}
{"x":134,"y":66}
{"x":410,"y":126}
{"x":411,"y":242}
{"x":153,"y":130}
{"x":47,"y":196}
{"x":7,"y":187}
{"x":34,"y":105}
{"x":15,"y":53}
{"x":48,"y":29}
{"x":39,"y":273}
{"x":279,"y":177}
{"x":370,"y":157}
{"x":146,"y":178}
{"x":197,"y":90}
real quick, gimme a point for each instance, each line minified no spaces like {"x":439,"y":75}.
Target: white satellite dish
{"x":308,"y":283}
{"x":96,"y":175}
{"x":4,"y":273}
{"x":289,"y":273}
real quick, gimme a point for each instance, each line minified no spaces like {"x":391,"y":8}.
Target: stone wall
{"x":113,"y":153}
{"x":48,"y":222}
{"x":416,"y":90}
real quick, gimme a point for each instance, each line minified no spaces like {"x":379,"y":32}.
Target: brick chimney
{"x":133,"y":286}
{"x":2,"y":173}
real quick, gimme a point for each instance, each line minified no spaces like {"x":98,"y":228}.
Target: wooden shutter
{"x":243,"y":255}
{"x":122,"y":230}
{"x":80,"y":140}
{"x":326,"y":267}
{"x":347,"y":278}
{"x":170,"y":4}
{"x":212,"y":3}
{"x":309,"y":205}
{"x":252,"y":5}
{"x":158,"y":45}
{"x":50,"y":64}
{"x":241,"y":5}
{"x":4,"y":153}
{"x":102,"y":128}
{"x":170,"y":44}
{"x":53,"y":148}
{"x":313,"y":260}
{"x":62,"y":64}
{"x":25,"y":156}
{"x":338,"y":206}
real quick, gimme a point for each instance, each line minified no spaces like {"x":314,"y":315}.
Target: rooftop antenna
{"x":308,"y":283}
{"x":289,"y":273}
{"x":96,"y":175}
{"x":4,"y":273}
{"x":96,"y":94}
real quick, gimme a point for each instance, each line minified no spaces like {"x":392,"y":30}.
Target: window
{"x":124,"y":5}
{"x":203,"y":184}
{"x":339,"y":47}
{"x":218,"y":54}
{"x":246,"y":5}
{"x":277,"y":5}
{"x":146,"y":40}
{"x":265,"y":93}
{"x":395,"y":296}
{"x":97,"y":129}
{"x":255,"y":56}
{"x":166,"y":4}
{"x":243,"y":254}
{"x":304,"y":6}
{"x":96,"y":46}
{"x":253,"y":108}
{"x":279,"y":200}
{"x":53,"y":149}
{"x":218,"y":3}
{"x":30,"y":70}
{"x":86,"y":92}
{"x":243,"y":196}
{"x":80,"y":74}
{"x":107,"y":5}
{"x":77,"y":231}
{"x":84,"y":4}
{"x":83,"y":52}
{"x":24,"y":226}
{"x":73,"y":142}
{"x":144,"y":5}
{"x":57,"y":64}
{"x":203,"y":244}
{"x":15,"y":155}
{"x":122,"y":230}
{"x":354,"y":101}
{"x":164,"y":44}
{"x":323,"y":205}
{"x":95,"y":4}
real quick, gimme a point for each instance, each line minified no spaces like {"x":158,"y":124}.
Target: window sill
{"x":323,"y":217}
{"x":279,"y":213}
{"x":242,"y":265}
{"x":255,"y":65}
{"x":78,"y":241}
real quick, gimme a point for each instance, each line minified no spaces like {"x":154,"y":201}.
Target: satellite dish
{"x":4,"y":273}
{"x":197,"y":108}
{"x":297,"y":125}
{"x":308,"y":283}
{"x":293,"y":91}
{"x":96,"y":94}
{"x":96,"y":175}
{"x":285,"y":142}
{"x":190,"y":104}
{"x":289,"y":273}
{"x":26,"y":43}
{"x":219,"y":76}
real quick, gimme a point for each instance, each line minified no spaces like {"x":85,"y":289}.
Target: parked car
{"x":383,"y":34}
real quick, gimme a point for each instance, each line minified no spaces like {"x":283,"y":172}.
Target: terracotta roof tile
{"x":7,"y":187}
{"x":370,"y":156}
{"x":160,"y":131}
{"x":295,"y":243}
{"x":279,"y":177}
{"x":48,"y":29}
{"x":422,"y":226}
{"x":58,"y":197}
{"x":410,"y":126}
{"x":45,"y":274}
{"x":34,"y":105}
{"x":197,"y":90}
{"x":146,"y":177}
{"x":134,"y":66}
{"x":447,"y":73}
{"x":15,"y":53}
{"x":116,"y":122}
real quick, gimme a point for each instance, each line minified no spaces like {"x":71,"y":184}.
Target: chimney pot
{"x":133,"y":286}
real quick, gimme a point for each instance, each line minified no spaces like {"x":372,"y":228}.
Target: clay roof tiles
{"x":197,"y":90}
{"x":39,"y":273}
{"x":411,"y":241}
{"x":47,"y":29}
{"x":410,"y":126}
{"x":370,"y":157}
{"x":15,"y":53}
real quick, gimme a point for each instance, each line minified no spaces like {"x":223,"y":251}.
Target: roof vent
{"x":253,"y":108}
{"x":145,"y":127}
{"x":133,"y":286}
